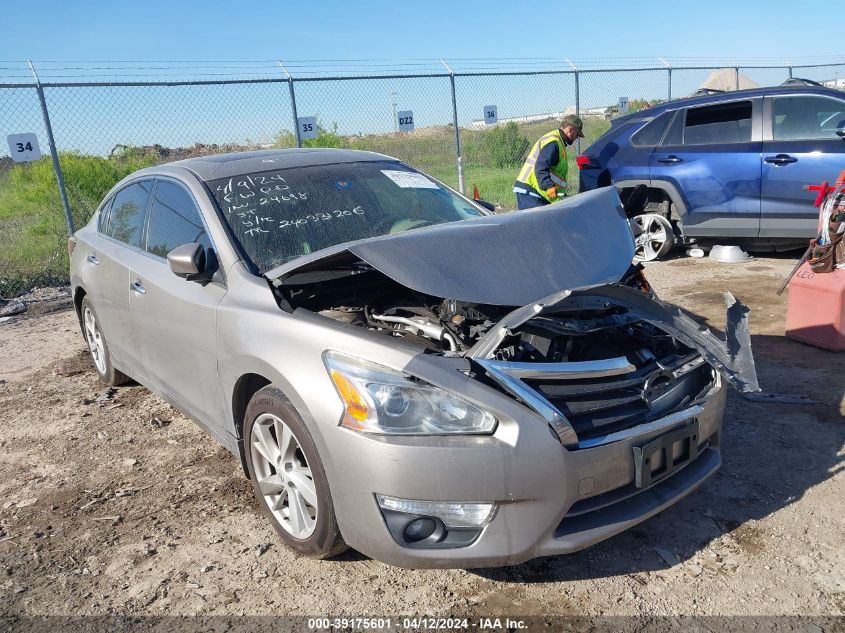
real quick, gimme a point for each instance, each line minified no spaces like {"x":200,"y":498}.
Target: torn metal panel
{"x":732,"y":357}
{"x":505,"y":260}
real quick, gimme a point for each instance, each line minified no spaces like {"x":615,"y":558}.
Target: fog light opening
{"x":421,"y":529}
{"x":434,"y":524}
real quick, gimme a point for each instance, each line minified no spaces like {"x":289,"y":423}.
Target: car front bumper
{"x":549,"y":500}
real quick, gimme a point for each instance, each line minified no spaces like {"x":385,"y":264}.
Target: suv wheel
{"x":288,"y":476}
{"x":654,"y":237}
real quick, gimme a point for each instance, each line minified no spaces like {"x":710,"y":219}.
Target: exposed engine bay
{"x":365,"y":297}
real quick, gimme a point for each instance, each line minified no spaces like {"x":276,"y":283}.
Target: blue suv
{"x":727,"y":168}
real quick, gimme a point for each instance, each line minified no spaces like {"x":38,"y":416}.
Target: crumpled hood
{"x":510,"y":259}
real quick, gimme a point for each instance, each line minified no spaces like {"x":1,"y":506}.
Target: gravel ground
{"x":112,"y":503}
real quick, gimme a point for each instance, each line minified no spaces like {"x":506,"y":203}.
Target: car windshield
{"x":279,"y":215}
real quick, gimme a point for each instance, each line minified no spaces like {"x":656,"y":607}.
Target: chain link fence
{"x":430,"y":117}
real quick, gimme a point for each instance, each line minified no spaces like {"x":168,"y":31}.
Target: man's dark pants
{"x":524,"y":201}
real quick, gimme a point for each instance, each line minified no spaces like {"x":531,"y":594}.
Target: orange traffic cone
{"x":475,"y":195}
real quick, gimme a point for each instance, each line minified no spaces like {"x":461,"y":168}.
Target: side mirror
{"x":187,"y":261}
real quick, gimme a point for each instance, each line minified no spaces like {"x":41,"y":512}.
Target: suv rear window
{"x":651,"y":133}
{"x":718,"y":124}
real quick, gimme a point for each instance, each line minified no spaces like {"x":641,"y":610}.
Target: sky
{"x":262,"y":29}
{"x":95,"y":40}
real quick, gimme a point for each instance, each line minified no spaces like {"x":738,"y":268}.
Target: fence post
{"x":577,"y":100}
{"x":292,"y":104}
{"x":736,"y":72}
{"x":790,"y":71}
{"x":669,"y":73}
{"x":458,"y":156}
{"x":53,"y":153}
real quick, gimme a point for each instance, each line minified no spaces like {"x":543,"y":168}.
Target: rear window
{"x":126,"y":221}
{"x":174,"y":220}
{"x":652,"y":132}
{"x":280,"y":215}
{"x":718,"y":124}
{"x":103,"y":217}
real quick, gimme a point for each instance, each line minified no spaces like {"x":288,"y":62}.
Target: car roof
{"x":733,"y":95}
{"x":217,"y":166}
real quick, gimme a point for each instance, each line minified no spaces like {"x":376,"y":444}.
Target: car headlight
{"x":378,"y":399}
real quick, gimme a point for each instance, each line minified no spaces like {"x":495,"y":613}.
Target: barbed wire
{"x":313,"y":68}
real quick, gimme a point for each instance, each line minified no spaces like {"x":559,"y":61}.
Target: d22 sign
{"x":405,"y":120}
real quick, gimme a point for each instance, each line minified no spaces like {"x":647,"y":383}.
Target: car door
{"x":800,"y":147}
{"x":711,"y":157}
{"x":177,"y":319}
{"x":628,"y":162}
{"x":106,"y":270}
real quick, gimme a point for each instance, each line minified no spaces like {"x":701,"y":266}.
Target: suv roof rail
{"x":800,"y":81}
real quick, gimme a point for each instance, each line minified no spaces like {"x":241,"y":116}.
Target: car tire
{"x":98,"y":347}
{"x":654,"y":237}
{"x":288,"y":477}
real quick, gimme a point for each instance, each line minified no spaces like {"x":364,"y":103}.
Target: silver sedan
{"x":398,"y":369}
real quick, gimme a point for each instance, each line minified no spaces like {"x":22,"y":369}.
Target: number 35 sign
{"x":23,"y":147}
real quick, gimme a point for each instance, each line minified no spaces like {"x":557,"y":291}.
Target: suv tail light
{"x":583,"y":161}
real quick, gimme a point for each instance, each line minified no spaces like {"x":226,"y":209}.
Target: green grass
{"x":33,"y":230}
{"x":33,"y":234}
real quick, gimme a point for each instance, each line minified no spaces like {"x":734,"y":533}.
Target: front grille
{"x":598,"y":406}
{"x":586,"y":400}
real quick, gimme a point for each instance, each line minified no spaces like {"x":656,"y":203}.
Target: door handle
{"x":781,"y":159}
{"x":92,"y":259}
{"x":671,"y":159}
{"x":138,"y":287}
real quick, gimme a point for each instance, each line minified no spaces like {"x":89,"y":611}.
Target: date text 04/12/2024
{"x":416,"y":624}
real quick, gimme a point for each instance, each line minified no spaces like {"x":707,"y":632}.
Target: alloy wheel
{"x":654,"y":237}
{"x":95,"y":340}
{"x":284,"y":476}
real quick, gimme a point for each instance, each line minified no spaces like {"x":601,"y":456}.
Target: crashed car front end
{"x":568,"y":403}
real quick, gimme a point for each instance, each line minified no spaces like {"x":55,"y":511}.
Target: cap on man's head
{"x":574,"y":121}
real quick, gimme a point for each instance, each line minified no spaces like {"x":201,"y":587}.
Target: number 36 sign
{"x":23,"y":147}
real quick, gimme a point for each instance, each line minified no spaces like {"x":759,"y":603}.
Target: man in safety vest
{"x":542,"y":179}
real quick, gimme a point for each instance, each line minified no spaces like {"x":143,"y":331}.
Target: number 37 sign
{"x":23,"y":147}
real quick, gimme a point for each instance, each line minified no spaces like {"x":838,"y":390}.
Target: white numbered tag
{"x":23,"y":147}
{"x":307,"y":126}
{"x":491,"y":114}
{"x":623,"y":105}
{"x":409,"y":179}
{"x":405,"y":119}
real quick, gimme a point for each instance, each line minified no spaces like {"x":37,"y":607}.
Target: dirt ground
{"x":111,"y":503}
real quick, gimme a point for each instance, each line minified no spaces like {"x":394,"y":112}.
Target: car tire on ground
{"x":98,"y":347}
{"x":288,"y":476}
{"x":654,"y":237}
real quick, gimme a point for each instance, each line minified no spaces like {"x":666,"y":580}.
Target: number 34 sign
{"x":23,"y":147}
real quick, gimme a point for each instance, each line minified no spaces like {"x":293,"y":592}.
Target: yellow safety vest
{"x":557,"y":172}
